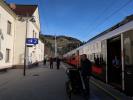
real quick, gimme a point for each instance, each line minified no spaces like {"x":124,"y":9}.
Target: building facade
{"x":29,"y":13}
{"x":7,"y":33}
{"x":18,"y":22}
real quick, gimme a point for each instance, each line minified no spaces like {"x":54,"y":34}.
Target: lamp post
{"x":25,"y":48}
{"x":27,"y":19}
{"x":55,"y":47}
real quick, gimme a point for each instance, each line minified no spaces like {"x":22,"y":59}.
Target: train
{"x":103,"y":49}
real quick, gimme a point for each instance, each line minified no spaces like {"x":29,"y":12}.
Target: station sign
{"x":31,"y":41}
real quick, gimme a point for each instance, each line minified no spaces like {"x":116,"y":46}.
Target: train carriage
{"x":111,"y":54}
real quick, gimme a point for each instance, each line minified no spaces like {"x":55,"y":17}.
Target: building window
{"x":9,"y":27}
{"x":0,"y":32}
{"x":33,"y":33}
{"x":7,"y":55}
{"x":0,"y":20}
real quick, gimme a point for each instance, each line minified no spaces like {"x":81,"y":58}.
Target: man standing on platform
{"x":58,"y":62}
{"x":86,"y":67}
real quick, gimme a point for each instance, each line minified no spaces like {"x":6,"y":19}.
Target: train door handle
{"x":129,"y":73}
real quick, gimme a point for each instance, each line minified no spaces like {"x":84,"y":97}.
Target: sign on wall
{"x":31,"y":41}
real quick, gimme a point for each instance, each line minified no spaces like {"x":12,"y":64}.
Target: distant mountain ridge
{"x":64,"y":44}
{"x":62,"y":36}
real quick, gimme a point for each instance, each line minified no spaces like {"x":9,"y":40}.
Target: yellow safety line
{"x":116,"y":98}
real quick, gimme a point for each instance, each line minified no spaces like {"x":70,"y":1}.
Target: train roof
{"x":123,"y":22}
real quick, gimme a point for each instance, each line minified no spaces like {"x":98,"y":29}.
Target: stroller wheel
{"x":68,"y":89}
{"x":69,"y":96}
{"x":86,"y":95}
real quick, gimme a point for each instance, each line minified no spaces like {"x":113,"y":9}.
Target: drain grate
{"x":35,"y":75}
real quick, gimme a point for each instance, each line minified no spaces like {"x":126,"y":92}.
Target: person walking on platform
{"x":58,"y":63}
{"x":44,"y":61}
{"x":51,"y":62}
{"x":86,"y":67}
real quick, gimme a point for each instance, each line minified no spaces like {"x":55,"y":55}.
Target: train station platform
{"x":43,"y":83}
{"x":106,"y":88}
{"x":111,"y":91}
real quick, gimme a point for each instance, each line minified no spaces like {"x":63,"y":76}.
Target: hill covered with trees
{"x":64,"y":44}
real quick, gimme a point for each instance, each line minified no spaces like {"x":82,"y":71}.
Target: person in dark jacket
{"x":86,"y":67}
{"x":51,"y":62}
{"x":58,"y":63}
{"x":44,"y":61}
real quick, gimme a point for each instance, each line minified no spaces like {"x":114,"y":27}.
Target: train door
{"x":114,"y":62}
{"x":128,"y":61}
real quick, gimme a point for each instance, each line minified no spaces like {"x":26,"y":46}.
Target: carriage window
{"x":128,"y":48}
{"x":103,"y":51}
{"x":73,"y":58}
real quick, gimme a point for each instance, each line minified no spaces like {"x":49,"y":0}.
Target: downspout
{"x":13,"y":62}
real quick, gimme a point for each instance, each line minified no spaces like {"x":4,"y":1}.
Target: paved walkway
{"x":40,"y":83}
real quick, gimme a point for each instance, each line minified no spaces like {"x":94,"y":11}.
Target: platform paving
{"x":41,"y":83}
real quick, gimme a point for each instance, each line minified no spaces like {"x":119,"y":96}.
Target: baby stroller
{"x":75,"y":84}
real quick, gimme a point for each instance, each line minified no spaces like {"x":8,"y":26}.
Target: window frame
{"x":9,"y":27}
{"x":7,"y":55}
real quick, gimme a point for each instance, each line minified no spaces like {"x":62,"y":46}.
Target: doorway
{"x":114,"y":61}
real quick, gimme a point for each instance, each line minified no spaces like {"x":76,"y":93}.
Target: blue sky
{"x":82,"y":19}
